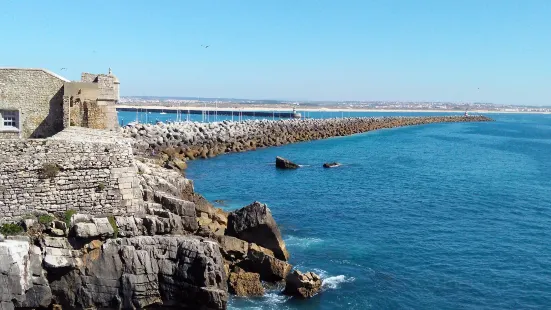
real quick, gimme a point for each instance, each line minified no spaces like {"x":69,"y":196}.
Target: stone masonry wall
{"x":97,"y":175}
{"x":38,"y":95}
{"x":91,"y":114}
{"x":9,"y":135}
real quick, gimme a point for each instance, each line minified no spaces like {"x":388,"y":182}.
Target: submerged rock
{"x":303,"y":285}
{"x":254,"y":223}
{"x":283,"y":163}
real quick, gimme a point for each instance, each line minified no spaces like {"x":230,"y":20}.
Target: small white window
{"x":9,"y":120}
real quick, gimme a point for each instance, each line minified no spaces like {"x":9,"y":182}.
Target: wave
{"x":301,"y":242}
{"x":335,"y":282}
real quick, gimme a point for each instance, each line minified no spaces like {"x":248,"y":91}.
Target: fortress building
{"x":37,"y":103}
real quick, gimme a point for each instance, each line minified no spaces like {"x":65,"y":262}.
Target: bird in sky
{"x":63,"y":69}
{"x":205,"y":46}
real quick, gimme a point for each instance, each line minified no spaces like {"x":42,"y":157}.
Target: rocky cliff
{"x":178,"y":253}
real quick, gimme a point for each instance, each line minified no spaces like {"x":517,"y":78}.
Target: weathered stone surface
{"x":143,"y":271}
{"x":254,"y":223}
{"x":91,"y":176}
{"x":23,"y":282}
{"x":303,"y":285}
{"x":185,"y":209}
{"x":233,"y":249}
{"x":103,"y":226}
{"x":130,"y":226}
{"x":283,"y":163}
{"x":268,"y":267}
{"x":86,"y":230}
{"x":243,"y":283}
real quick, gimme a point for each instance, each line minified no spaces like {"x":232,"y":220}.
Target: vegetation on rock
{"x":45,"y":219}
{"x":67,"y":216}
{"x":49,"y":171}
{"x":114,"y":225}
{"x":11,"y":229}
{"x":100,"y":187}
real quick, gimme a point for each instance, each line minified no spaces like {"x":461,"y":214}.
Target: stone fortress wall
{"x":97,"y":175}
{"x":91,"y":102}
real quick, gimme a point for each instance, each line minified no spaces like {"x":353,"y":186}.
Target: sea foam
{"x":293,"y":241}
{"x":336,"y":281}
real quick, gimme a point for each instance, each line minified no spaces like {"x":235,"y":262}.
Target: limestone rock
{"x":100,"y":227}
{"x":86,"y":230}
{"x":80,"y":218}
{"x":283,"y":163}
{"x":60,"y":258}
{"x":268,"y":267}
{"x":233,"y":249}
{"x":129,"y":226}
{"x":243,"y":283}
{"x":56,"y":232}
{"x":139,"y":272}
{"x":185,"y":209}
{"x":254,"y":223}
{"x":24,"y":283}
{"x":303,"y":285}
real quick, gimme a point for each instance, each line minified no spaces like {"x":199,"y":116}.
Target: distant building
{"x":37,"y":103}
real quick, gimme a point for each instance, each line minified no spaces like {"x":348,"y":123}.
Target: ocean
{"x":439,"y":216}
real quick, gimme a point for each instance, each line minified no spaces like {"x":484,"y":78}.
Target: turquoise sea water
{"x":440,"y":216}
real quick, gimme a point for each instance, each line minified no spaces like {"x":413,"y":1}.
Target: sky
{"x":495,"y":51}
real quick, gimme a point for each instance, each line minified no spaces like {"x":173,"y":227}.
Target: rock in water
{"x":254,"y":223}
{"x":303,"y":285}
{"x":331,"y":165}
{"x":243,"y":283}
{"x":283,"y":163}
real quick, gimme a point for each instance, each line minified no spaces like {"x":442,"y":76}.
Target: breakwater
{"x":192,"y":140}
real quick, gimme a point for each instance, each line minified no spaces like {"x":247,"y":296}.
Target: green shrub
{"x":100,"y":187}
{"x":11,"y":229}
{"x":45,"y":219}
{"x":67,"y":216}
{"x":114,"y":225}
{"x":49,"y":171}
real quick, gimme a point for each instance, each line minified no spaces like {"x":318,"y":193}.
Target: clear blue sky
{"x":462,"y":50}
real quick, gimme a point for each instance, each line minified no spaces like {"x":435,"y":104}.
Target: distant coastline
{"x":247,"y":108}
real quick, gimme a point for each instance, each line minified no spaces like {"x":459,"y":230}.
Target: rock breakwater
{"x":191,"y":140}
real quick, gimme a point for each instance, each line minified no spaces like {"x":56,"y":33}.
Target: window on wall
{"x":9,"y":120}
